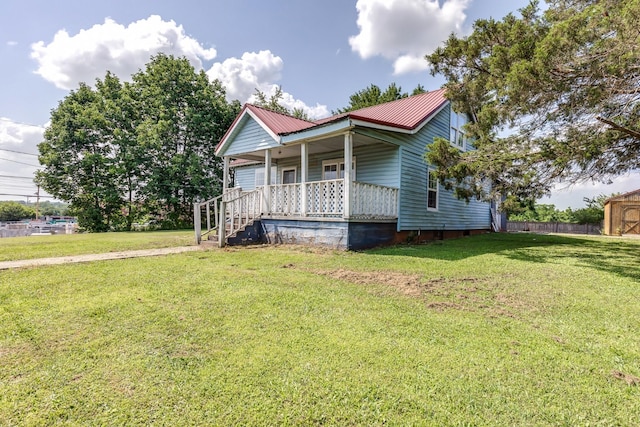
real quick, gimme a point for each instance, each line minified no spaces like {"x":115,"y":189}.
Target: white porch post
{"x":348,"y":173}
{"x":266,"y":191}
{"x":304,"y":175}
{"x":225,"y":174}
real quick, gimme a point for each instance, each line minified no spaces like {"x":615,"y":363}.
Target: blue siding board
{"x":377,"y":164}
{"x":340,"y":126}
{"x":245,"y":177}
{"x":452,"y":214}
{"x":249,"y":137}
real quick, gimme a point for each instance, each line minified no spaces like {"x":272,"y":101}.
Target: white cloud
{"x":83,"y":57}
{"x":12,"y":43}
{"x":314,"y":112}
{"x":405,"y":30}
{"x":17,"y":137}
{"x":87,"y":55}
{"x":566,"y":195}
{"x":409,"y":64}
{"x":242,"y":76}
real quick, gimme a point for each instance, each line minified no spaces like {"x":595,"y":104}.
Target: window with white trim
{"x":432,"y":190}
{"x":457,"y":136}
{"x":260,"y":176}
{"x":334,"y":169}
{"x":288,"y":175}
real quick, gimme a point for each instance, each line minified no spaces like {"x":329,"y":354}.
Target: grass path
{"x":36,"y":262}
{"x":32,"y":247}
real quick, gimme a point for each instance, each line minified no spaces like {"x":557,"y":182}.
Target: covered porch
{"x":302,"y":203}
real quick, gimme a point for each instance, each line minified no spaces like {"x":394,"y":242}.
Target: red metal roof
{"x":279,"y":123}
{"x":406,"y":113}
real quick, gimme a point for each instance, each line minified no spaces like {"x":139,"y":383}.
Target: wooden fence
{"x":554,"y":227}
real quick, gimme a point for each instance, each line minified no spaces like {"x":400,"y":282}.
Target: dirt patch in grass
{"x":408,"y":284}
{"x":628,"y":378}
{"x":439,"y":293}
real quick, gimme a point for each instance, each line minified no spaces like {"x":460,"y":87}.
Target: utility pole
{"x":37,"y":202}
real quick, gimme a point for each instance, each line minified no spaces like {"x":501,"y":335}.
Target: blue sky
{"x":320,"y":52}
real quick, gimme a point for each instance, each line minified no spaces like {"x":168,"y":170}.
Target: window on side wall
{"x":432,"y":190}
{"x":334,"y":169}
{"x":259,"y":176}
{"x":457,"y":136}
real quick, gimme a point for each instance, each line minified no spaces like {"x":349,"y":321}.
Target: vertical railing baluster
{"x":208,"y":217}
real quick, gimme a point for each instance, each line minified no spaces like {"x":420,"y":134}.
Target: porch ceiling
{"x":326,"y":145}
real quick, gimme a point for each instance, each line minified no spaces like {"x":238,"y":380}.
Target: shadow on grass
{"x":616,"y":255}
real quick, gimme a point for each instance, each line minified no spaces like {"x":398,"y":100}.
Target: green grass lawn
{"x":498,"y":329}
{"x":30,"y":247}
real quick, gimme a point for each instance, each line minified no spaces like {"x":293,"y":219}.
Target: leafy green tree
{"x":47,"y":208}
{"x":373,"y":95}
{"x":183,"y":115}
{"x":594,"y":211}
{"x":554,"y":97}
{"x":590,"y":215}
{"x":541,"y":212}
{"x":120,"y":152}
{"x":79,"y":162}
{"x":274,"y":103}
{"x":14,"y":211}
{"x":121,"y":118}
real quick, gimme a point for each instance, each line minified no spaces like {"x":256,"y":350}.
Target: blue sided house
{"x":352,"y":181}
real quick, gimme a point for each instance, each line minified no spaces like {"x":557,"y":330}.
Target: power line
{"x":26,"y":195}
{"x":21,"y":123}
{"x":19,"y":152}
{"x":22,"y":163}
{"x":16,"y":177}
{"x":18,"y":183}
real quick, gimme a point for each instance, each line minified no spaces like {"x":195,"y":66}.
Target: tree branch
{"x":626,"y":130}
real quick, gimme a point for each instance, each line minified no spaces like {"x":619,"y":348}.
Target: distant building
{"x":622,"y":214}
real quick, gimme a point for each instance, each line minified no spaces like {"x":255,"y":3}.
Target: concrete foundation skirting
{"x":342,"y":235}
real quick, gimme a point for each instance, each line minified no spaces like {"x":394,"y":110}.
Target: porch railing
{"x":319,"y":199}
{"x":210,"y":215}
{"x":240,"y":212}
{"x":210,"y":209}
{"x":370,"y":201}
{"x":285,"y":199}
{"x":326,"y":199}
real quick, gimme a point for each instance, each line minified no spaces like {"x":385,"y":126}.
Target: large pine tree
{"x":554,"y":95}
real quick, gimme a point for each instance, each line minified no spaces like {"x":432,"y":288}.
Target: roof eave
{"x":319,"y":131}
{"x":621,"y":196}
{"x":232,"y":129}
{"x":382,"y":125}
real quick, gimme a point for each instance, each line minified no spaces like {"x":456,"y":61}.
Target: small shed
{"x":622,"y":214}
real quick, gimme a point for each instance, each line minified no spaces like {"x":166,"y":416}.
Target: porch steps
{"x":246,"y":235}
